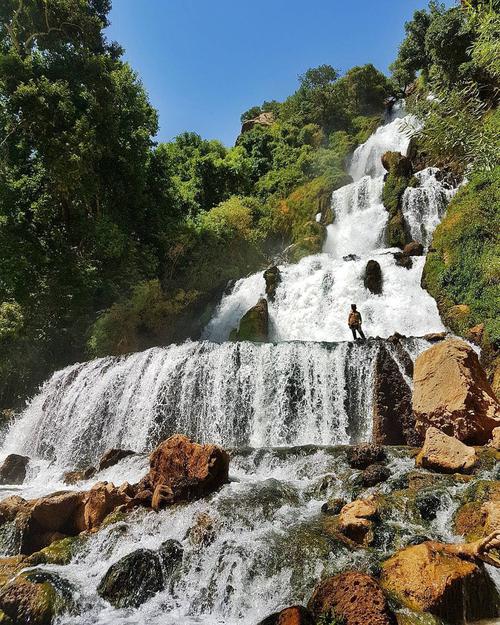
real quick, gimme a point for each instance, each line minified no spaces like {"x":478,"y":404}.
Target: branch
{"x":478,"y":550}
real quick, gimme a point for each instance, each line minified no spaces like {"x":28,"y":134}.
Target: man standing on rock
{"x":354,"y":321}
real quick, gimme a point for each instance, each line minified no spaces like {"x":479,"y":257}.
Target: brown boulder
{"x":476,"y":333}
{"x":13,"y":469}
{"x":362,"y":456}
{"x":264,"y":119}
{"x":355,"y":597}
{"x":393,"y":421}
{"x":9,"y":508}
{"x":272,"y":276}
{"x":60,"y":512}
{"x":356,"y":520}
{"x":373,"y":279}
{"x":445,"y":454}
{"x":73,"y":477}
{"x":296,"y":615}
{"x":397,"y":164}
{"x":254,"y":325}
{"x":451,"y":393}
{"x":414,"y":248}
{"x":181,"y":470}
{"x":427,"y":578}
{"x":112,"y":457}
{"x":102,"y":499}
{"x":495,"y":439}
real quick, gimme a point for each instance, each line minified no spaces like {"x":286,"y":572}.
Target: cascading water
{"x":269,"y":545}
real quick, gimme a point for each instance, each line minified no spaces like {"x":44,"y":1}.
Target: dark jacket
{"x":354,"y":319}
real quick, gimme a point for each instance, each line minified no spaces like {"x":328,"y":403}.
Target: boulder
{"x":332,"y":507}
{"x":203,"y":532}
{"x":362,"y":456}
{"x":451,"y":392}
{"x":354,"y":597}
{"x":373,"y":277}
{"x":9,"y":508}
{"x":374,"y":474}
{"x":479,"y":515}
{"x":476,"y":333}
{"x":351,"y":257}
{"x":445,"y":454}
{"x":427,"y":578}
{"x":102,"y":499}
{"x":181,"y":470}
{"x":414,"y":248}
{"x":60,"y":512}
{"x":73,"y":477}
{"x":356,"y":520}
{"x":435,"y":337}
{"x":296,"y":615}
{"x":272,"y":277}
{"x":13,"y":469}
{"x":393,"y":420}
{"x":112,"y":457}
{"x":397,"y":164}
{"x":264,"y":119}
{"x":402,"y":260}
{"x":254,"y":325}
{"x":495,"y":439}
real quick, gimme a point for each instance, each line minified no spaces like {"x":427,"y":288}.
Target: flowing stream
{"x":285,"y":409}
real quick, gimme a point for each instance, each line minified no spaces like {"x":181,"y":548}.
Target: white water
{"x":269,"y":548}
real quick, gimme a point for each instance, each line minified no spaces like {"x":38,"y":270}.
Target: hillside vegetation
{"x":110,"y":242}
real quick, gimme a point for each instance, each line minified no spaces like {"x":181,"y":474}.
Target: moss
{"x":60,"y":552}
{"x":254,"y":325}
{"x":117,"y":516}
{"x":407,"y":617}
{"x":4,"y":619}
{"x":397,"y":231}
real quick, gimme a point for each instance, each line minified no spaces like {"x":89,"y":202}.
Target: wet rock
{"x":181,"y":470}
{"x":102,"y":499}
{"x":35,"y":598}
{"x":203,"y":531}
{"x":73,"y":477}
{"x":296,"y":615}
{"x":427,"y":578}
{"x":332,"y":507}
{"x":264,"y":119}
{"x":495,"y":439}
{"x":414,"y":248}
{"x":373,"y":277}
{"x":427,"y":503}
{"x":435,"y":337}
{"x":361,"y":456}
{"x":254,"y":325}
{"x":13,"y":469}
{"x":112,"y":457}
{"x":393,"y":420}
{"x":445,"y":454}
{"x":397,"y":164}
{"x":60,"y":512}
{"x":356,"y":520}
{"x":452,"y":393}
{"x":402,"y":260}
{"x":351,"y":257}
{"x":479,"y":515}
{"x":374,"y":474}
{"x":10,"y":507}
{"x":476,"y":333}
{"x":272,"y":276}
{"x":354,"y":597}
{"x":133,"y":580}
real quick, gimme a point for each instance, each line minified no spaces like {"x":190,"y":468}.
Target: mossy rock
{"x":60,"y":552}
{"x":254,"y":325}
{"x":470,"y":520}
{"x":10,"y":567}
{"x":397,"y":231}
{"x":408,"y":617}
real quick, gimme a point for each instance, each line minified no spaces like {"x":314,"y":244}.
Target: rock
{"x":264,"y":119}
{"x":60,"y":512}
{"x":476,"y":333}
{"x":414,"y":248}
{"x":396,"y":163}
{"x":296,"y":615}
{"x":72,"y":477}
{"x":445,"y":454}
{"x":451,"y":393}
{"x":356,"y":520}
{"x":254,"y":325}
{"x":373,"y":277}
{"x":402,"y":260}
{"x":272,"y":276}
{"x":361,"y":456}
{"x":354,"y":597}
{"x":495,"y":439}
{"x":427,"y":503}
{"x":102,"y":499}
{"x":435,"y":337}
{"x":396,"y":233}
{"x":479,"y":515}
{"x":112,"y":457}
{"x":13,"y":469}
{"x":332,"y":507}
{"x":427,"y":578}
{"x":203,"y":531}
{"x":351,"y":257}
{"x":35,"y":598}
{"x":393,"y":420}
{"x":187,"y":470}
{"x":9,"y":508}
{"x":374,"y":474}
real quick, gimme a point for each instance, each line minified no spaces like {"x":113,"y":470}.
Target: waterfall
{"x":235,"y":394}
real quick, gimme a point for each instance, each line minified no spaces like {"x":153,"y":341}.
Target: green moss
{"x":60,"y":552}
{"x":254,"y":325}
{"x":4,"y":619}
{"x":397,"y":232}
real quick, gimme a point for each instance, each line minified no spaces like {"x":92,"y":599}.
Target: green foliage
{"x":464,"y":267}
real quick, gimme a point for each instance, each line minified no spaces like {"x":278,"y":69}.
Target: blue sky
{"x":204,"y":62}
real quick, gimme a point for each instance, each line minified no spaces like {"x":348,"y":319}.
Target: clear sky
{"x":204,"y":62}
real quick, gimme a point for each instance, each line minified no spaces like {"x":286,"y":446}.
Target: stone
{"x":254,"y":325}
{"x":73,"y":477}
{"x":428,"y":578}
{"x":445,"y":454}
{"x":373,"y":277}
{"x":476,"y":333}
{"x":495,"y":439}
{"x":393,"y":420}
{"x":414,"y":248}
{"x":60,"y":512}
{"x":356,"y":520}
{"x":204,"y":530}
{"x":332,"y":507}
{"x":402,"y":260}
{"x":184,"y":470}
{"x":272,"y":277}
{"x":374,"y":474}
{"x":13,"y":469}
{"x":435,"y":337}
{"x":357,"y":598}
{"x":264,"y":119}
{"x":396,"y":163}
{"x":451,"y":392}
{"x":112,"y":457}
{"x":9,"y":508}
{"x":296,"y":615}
{"x":102,"y":499}
{"x":361,"y":456}
{"x":351,"y":257}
